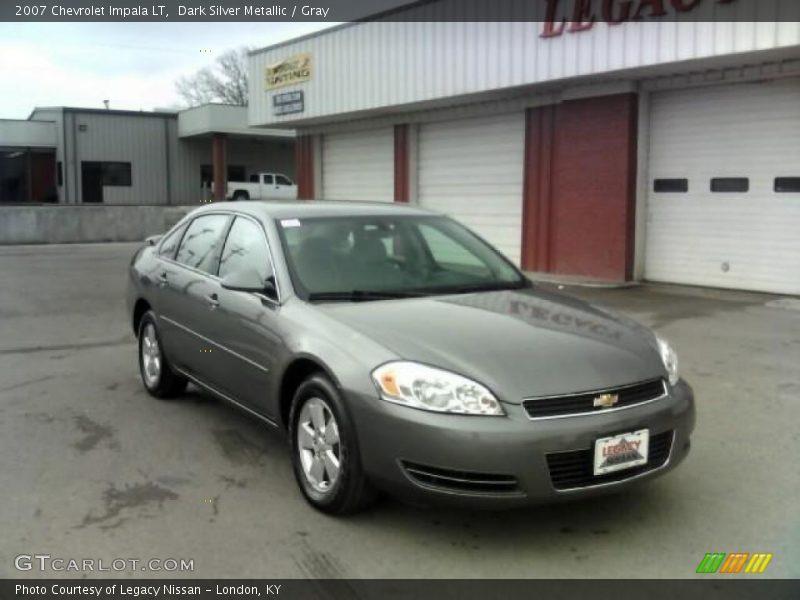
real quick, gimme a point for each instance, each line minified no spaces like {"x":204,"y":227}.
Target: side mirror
{"x":270,"y":289}
{"x":249,"y":280}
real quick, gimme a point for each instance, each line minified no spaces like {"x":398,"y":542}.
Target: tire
{"x":240,"y":195}
{"x":157,"y":376}
{"x":347,"y":492}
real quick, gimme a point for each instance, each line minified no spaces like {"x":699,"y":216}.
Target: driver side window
{"x":244,"y":249}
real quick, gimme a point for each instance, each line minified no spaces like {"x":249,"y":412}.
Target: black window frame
{"x":109,"y":179}
{"x":728,"y":185}
{"x":793,"y":183}
{"x":673,"y":185}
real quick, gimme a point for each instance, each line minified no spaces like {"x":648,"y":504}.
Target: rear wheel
{"x":157,"y":376}
{"x":325,"y":455}
{"x":240,"y":195}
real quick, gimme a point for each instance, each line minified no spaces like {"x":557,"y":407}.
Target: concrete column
{"x":219,"y":157}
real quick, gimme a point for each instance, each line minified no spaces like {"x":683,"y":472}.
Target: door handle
{"x":213,"y":301}
{"x":162,"y":279}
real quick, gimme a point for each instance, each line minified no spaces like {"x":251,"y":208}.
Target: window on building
{"x":206,"y":175}
{"x":245,"y":249}
{"x":671,"y":186}
{"x":283,"y":180}
{"x":60,"y":173}
{"x":199,"y":245}
{"x":787,"y":185}
{"x":96,"y":175}
{"x":235,"y":173}
{"x":110,"y":173}
{"x":730,"y":184}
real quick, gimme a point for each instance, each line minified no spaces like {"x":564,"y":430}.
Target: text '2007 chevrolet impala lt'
{"x":401,"y":352}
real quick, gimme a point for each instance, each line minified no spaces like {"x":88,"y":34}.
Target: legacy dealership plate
{"x":620,"y":452}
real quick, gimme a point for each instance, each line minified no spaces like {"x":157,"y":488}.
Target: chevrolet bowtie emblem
{"x":606,"y":400}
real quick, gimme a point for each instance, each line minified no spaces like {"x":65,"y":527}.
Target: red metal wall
{"x":580,"y":187}
{"x":401,"y":158}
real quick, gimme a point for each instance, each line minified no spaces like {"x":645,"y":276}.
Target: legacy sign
{"x":581,"y":15}
{"x":295,"y":69}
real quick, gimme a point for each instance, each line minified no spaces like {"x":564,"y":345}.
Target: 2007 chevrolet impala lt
{"x":401,"y":352}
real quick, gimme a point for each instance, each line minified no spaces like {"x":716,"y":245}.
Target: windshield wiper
{"x":362,"y":295}
{"x":496,"y":286}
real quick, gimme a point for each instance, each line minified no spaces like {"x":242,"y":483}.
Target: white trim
{"x":642,"y":163}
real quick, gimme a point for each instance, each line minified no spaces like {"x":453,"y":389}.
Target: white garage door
{"x":358,"y":165}
{"x":472,"y":170}
{"x":724,"y":187}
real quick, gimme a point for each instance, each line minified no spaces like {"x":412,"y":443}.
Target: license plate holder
{"x":621,"y":452}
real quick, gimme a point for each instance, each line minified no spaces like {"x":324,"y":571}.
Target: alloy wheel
{"x":151,"y":356}
{"x":318,"y":445}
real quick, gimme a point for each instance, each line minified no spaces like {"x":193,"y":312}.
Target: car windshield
{"x":380,"y":257}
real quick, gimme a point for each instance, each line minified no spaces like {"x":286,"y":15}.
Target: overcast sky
{"x":134,"y":65}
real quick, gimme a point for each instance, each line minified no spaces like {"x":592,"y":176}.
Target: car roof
{"x":298,"y":209}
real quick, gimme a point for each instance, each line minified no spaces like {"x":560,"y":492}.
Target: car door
{"x":245,"y":325}
{"x":267,"y":183}
{"x":284,"y":187}
{"x":187,"y":284}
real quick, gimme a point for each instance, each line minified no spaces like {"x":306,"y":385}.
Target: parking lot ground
{"x":92,"y":467}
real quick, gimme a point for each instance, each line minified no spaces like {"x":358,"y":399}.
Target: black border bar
{"x":336,"y":11}
{"x":710,"y":587}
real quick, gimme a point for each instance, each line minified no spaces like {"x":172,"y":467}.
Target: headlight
{"x":427,"y":388}
{"x":670,"y":360}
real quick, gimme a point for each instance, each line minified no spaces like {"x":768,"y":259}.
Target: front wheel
{"x":325,"y":455}
{"x":157,"y":376}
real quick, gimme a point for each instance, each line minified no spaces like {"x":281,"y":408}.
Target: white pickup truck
{"x":263,"y":186}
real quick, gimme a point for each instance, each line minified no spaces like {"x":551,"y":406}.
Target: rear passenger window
{"x":730,"y":184}
{"x":199,"y":246}
{"x":170,"y":243}
{"x":267,"y":179}
{"x":787,"y":184}
{"x":671,"y":186}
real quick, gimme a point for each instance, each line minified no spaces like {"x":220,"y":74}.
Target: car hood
{"x":520,"y":343}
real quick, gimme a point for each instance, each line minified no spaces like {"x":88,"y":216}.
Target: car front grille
{"x":583,"y":403}
{"x":575,"y":469}
{"x":461,"y":481}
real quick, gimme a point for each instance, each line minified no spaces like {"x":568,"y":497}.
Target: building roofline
{"x":25,"y":120}
{"x":105,"y":111}
{"x":370,"y":17}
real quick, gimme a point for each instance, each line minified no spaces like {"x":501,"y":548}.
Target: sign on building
{"x":288,"y":103}
{"x":291,"y":70}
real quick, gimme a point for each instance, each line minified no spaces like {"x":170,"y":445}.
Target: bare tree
{"x":225,"y":82}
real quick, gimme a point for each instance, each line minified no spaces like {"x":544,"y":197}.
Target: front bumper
{"x":496,"y":462}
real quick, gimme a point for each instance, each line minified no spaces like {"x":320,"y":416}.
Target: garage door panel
{"x":747,"y":240}
{"x":472,"y":170}
{"x":358,"y":165}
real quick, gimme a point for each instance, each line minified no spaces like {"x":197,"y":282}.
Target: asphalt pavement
{"x":91,"y":467}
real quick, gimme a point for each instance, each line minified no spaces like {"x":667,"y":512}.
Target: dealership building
{"x":66,"y":155}
{"x":662,"y":147}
